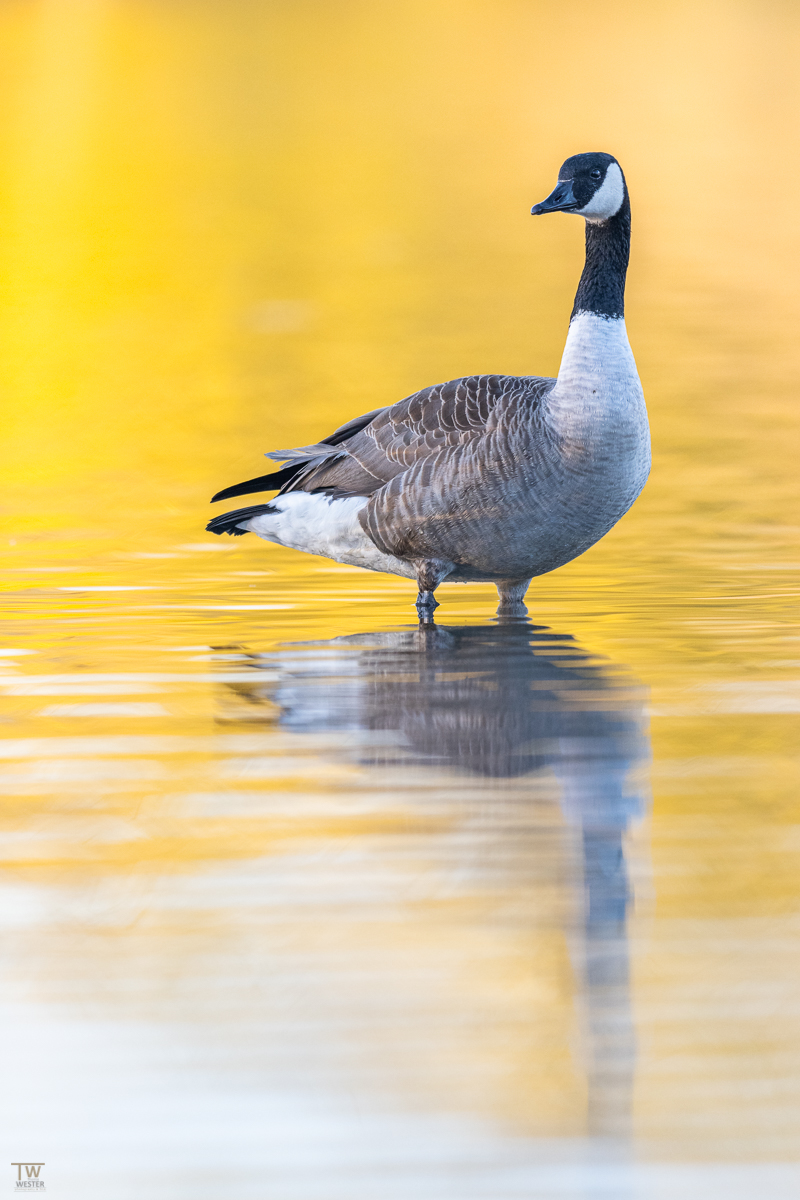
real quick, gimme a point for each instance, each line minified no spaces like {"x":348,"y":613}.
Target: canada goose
{"x":489,"y":478}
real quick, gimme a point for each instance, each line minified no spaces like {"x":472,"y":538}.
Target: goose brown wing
{"x":421,"y":461}
{"x":459,"y":413}
{"x":461,"y":459}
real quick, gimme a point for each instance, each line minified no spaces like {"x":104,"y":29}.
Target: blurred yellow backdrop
{"x":225,"y":226}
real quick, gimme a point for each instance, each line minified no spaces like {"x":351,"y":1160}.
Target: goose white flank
{"x":489,"y":478}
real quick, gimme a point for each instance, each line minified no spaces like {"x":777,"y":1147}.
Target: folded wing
{"x":430,"y":465}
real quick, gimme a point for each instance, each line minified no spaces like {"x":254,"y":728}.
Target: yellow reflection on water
{"x":246,"y":925}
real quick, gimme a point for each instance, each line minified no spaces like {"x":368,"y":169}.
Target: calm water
{"x":301,"y":902}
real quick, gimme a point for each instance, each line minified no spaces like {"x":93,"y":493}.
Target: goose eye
{"x":595,"y":174}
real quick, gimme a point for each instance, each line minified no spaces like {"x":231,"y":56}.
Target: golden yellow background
{"x":227,"y":227}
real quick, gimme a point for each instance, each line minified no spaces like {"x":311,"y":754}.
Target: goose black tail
{"x":264,"y":483}
{"x":300,"y":464}
{"x":230,"y":522}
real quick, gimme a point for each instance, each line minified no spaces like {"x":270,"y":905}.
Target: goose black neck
{"x":602,"y":287}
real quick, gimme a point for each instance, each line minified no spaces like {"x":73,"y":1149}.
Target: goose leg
{"x":426,"y":603}
{"x":512,"y":593}
{"x":430,"y":574}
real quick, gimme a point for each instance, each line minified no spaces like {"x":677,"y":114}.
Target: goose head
{"x":589,"y":185}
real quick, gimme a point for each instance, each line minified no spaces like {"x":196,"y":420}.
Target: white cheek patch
{"x":607,"y":200}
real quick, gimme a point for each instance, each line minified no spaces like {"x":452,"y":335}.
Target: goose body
{"x":488,"y":478}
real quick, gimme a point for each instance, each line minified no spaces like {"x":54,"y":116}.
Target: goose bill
{"x":561,"y":199}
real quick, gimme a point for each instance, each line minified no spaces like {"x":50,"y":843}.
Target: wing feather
{"x":431,"y":465}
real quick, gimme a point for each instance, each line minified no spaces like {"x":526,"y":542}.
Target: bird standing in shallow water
{"x":489,"y":478}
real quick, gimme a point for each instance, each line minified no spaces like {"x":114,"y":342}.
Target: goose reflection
{"x":504,"y":701}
